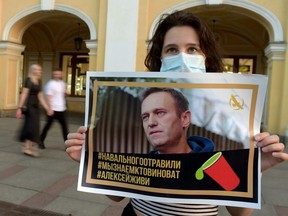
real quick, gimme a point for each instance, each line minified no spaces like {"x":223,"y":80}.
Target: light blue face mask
{"x":183,"y":63}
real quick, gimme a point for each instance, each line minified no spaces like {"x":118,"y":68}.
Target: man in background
{"x":55,"y":92}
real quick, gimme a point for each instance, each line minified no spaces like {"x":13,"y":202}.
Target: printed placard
{"x":226,"y":108}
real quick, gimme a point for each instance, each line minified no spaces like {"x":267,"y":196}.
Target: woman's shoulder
{"x":28,"y":82}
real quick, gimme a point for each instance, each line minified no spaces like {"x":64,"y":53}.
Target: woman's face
{"x":181,"y":39}
{"x":37,"y":71}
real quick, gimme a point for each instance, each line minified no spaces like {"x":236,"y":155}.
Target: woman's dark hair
{"x":208,"y":44}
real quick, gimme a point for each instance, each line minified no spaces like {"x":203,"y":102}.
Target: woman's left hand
{"x":272,"y":151}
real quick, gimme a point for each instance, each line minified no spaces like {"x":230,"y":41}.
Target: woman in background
{"x":29,"y":106}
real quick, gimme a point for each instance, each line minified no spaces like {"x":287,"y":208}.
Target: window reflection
{"x":75,"y":68}
{"x":242,"y":64}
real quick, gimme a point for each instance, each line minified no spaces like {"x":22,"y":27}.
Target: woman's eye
{"x":192,"y":50}
{"x":172,"y":50}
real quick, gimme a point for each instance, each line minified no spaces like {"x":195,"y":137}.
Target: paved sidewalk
{"x":48,"y":185}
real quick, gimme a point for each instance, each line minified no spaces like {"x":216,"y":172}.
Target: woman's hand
{"x":272,"y":151}
{"x":19,"y":113}
{"x":75,"y":142}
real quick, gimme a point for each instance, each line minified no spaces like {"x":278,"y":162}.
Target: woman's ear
{"x":186,"y":119}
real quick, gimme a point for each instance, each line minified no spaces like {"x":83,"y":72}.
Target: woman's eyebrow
{"x":170,"y":45}
{"x":175,"y":45}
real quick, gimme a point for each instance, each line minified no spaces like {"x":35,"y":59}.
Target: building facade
{"x":112,"y":35}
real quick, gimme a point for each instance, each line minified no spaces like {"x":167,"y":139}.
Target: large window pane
{"x":75,"y":67}
{"x":246,"y":65}
{"x":228,"y":64}
{"x":240,"y":64}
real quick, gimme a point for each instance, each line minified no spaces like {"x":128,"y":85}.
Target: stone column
{"x":11,"y":62}
{"x":92,"y":46}
{"x":275,"y":53}
{"x":121,"y":35}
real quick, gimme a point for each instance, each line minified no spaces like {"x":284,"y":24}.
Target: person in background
{"x":183,"y":43}
{"x":55,"y":92}
{"x":30,"y":98}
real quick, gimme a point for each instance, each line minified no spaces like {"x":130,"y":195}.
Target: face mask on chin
{"x":183,"y":63}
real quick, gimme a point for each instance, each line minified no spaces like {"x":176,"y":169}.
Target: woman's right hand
{"x":75,"y":142}
{"x":18,"y":113}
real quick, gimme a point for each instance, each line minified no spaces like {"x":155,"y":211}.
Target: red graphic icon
{"x":219,"y":169}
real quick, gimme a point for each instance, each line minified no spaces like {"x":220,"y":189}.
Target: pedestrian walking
{"x":55,"y":92}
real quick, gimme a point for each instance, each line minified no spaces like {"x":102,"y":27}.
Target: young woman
{"x":186,"y":33}
{"x":183,"y":43}
{"x":30,"y":97}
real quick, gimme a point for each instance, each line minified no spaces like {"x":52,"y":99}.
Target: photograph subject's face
{"x":161,"y":123}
